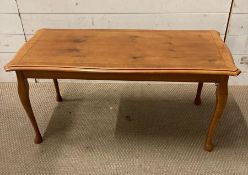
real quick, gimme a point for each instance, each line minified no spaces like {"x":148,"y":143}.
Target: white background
{"x":16,"y":27}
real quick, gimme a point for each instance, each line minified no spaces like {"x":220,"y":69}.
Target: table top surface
{"x":200,"y":52}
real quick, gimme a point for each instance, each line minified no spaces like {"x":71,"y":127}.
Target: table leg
{"x":221,"y":99}
{"x":23,"y":91}
{"x":58,"y":97}
{"x":198,"y":94}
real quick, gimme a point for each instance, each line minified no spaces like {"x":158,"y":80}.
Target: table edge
{"x":149,"y":71}
{"x":20,"y":54}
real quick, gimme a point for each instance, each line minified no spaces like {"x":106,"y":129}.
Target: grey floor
{"x":133,"y":128}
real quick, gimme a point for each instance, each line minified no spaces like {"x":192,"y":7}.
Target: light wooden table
{"x":135,"y":55}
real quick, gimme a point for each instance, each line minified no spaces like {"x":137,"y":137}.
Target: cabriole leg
{"x":23,"y":91}
{"x":221,"y":99}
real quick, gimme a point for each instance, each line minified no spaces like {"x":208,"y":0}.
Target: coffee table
{"x":133,"y":55}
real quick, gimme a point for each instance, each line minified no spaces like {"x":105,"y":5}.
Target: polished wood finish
{"x":149,"y":76}
{"x":58,"y":96}
{"x":133,"y":55}
{"x":23,"y":91}
{"x":221,"y":99}
{"x":198,"y":94}
{"x":198,"y":52}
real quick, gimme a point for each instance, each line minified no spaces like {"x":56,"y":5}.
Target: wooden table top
{"x":200,"y":52}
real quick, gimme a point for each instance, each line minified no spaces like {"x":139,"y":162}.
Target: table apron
{"x":125,"y":76}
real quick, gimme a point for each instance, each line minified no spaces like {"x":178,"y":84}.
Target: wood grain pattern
{"x":29,"y":36}
{"x":126,"y":50}
{"x":134,"y":55}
